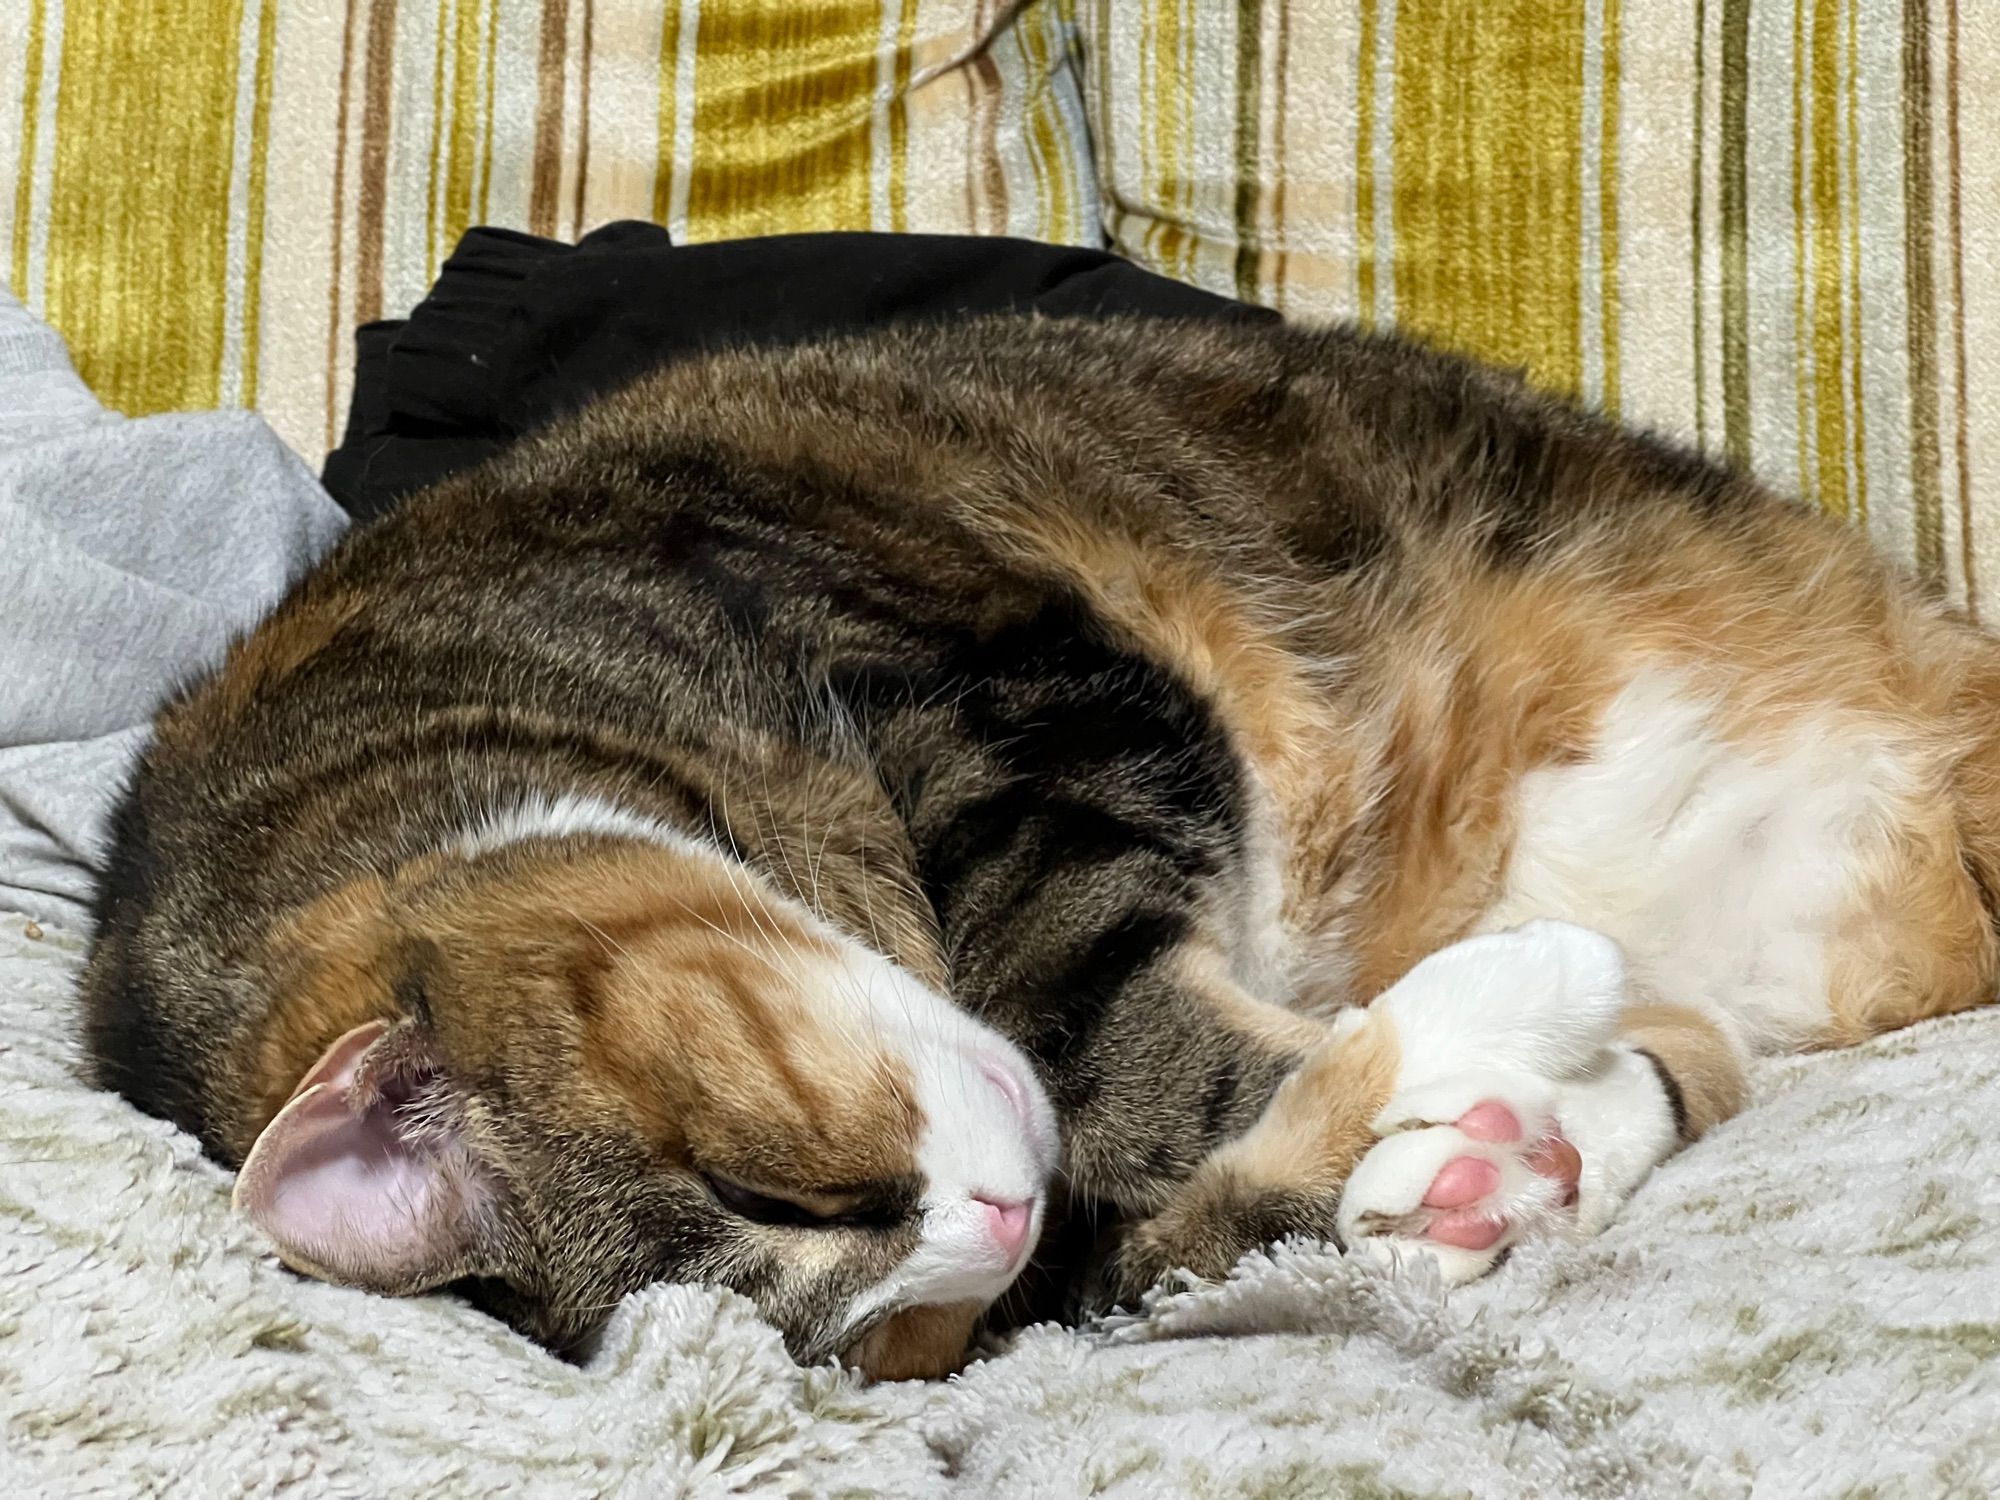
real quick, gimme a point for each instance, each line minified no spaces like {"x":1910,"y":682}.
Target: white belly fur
{"x":1721,"y":871}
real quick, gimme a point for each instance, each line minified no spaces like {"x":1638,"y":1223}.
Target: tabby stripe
{"x":1040,"y":833}
{"x":336,"y":341}
{"x":447,"y":737}
{"x":1698,"y":225}
{"x":1084,"y":982}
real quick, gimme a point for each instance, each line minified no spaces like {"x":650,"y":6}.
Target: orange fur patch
{"x":1320,"y":1123}
{"x":1704,"y":1066}
{"x":922,"y":1343}
{"x":659,"y":993}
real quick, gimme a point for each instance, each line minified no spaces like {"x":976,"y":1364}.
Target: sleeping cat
{"x":808,"y":820}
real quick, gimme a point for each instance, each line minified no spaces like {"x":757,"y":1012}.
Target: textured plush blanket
{"x":1804,"y":1304}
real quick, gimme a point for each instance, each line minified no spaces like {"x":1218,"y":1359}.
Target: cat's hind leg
{"x":1466,"y":1167}
{"x":1518,"y":1083}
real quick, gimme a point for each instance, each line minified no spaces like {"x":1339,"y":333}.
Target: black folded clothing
{"x":519,"y":330}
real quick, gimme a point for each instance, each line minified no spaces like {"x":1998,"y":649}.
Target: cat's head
{"x":573,"y":1067}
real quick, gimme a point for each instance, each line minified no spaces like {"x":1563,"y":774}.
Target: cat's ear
{"x":357,"y":1182}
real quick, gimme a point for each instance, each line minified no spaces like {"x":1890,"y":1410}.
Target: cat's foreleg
{"x":1504,"y":1087}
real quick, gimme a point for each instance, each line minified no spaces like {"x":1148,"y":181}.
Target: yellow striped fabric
{"x":207,"y":196}
{"x":1772,"y":226}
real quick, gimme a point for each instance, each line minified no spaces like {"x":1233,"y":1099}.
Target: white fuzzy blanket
{"x":1807,"y":1303}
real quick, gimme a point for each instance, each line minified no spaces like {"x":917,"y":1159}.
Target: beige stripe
{"x":336,"y":331}
{"x":1880,"y":302}
{"x":436,"y":190}
{"x":1773,"y":332}
{"x":25,"y":163}
{"x":1664,"y":272}
{"x":631,"y":92}
{"x":1103,"y":87}
{"x":1698,"y":196}
{"x":987,"y":179}
{"x":484,"y":212}
{"x":679,"y":147}
{"x":1609,"y":167}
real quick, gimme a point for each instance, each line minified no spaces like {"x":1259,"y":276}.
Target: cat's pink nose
{"x":1008,"y":1224}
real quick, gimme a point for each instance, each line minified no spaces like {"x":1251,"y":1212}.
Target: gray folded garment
{"x":131,"y":553}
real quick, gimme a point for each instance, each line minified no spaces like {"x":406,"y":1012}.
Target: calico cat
{"x":808,"y":819}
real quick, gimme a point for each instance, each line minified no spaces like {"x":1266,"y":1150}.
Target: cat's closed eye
{"x":761,"y":1208}
{"x":797,"y":1210}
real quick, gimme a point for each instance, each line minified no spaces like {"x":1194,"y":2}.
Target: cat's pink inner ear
{"x":348,"y":1192}
{"x":337,"y":1065}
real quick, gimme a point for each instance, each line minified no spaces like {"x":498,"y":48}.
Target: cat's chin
{"x":919,"y":1343}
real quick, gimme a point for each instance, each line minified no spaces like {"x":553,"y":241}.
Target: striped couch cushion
{"x":1769,"y":225}
{"x":206,"y":196}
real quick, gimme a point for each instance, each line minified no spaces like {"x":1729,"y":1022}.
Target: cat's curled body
{"x":781,"y":826}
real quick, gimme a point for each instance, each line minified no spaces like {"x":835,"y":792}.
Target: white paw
{"x":1472,"y":1165}
{"x":1541,"y":999}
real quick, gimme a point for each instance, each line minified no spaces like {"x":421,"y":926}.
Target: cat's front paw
{"x":1210,"y":1224}
{"x":1119,"y":1272}
{"x":1470,"y":1166}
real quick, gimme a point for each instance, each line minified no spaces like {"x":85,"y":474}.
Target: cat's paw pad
{"x":1470,"y":1166}
{"x":1462,"y":1192}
